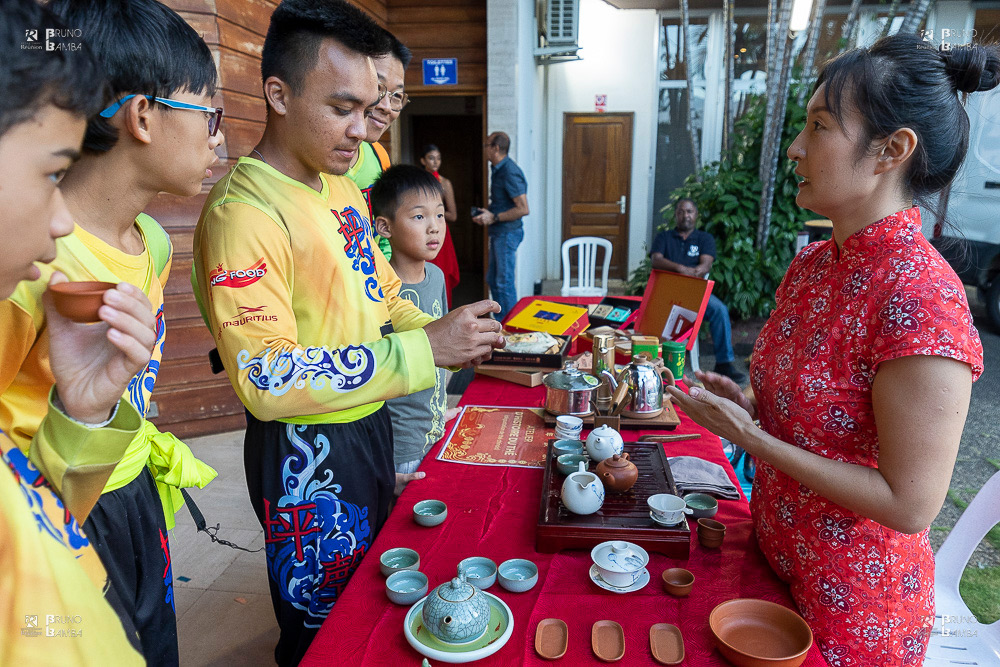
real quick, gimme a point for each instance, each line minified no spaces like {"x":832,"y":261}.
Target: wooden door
{"x":597,"y":177}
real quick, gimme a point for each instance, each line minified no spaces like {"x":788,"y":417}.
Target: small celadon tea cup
{"x":568,"y":464}
{"x":517,"y":575}
{"x":406,"y":586}
{"x":398,"y":559}
{"x":479,"y":571}
{"x":430,"y":512}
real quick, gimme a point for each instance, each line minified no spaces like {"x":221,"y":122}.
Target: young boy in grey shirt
{"x":408,"y":206}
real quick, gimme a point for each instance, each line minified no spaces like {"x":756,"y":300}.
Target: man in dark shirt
{"x":690,"y":251}
{"x":508,"y":204}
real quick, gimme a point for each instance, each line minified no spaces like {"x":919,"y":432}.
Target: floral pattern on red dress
{"x":866,"y":591}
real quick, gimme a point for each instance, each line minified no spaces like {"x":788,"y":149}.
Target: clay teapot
{"x":618,"y":473}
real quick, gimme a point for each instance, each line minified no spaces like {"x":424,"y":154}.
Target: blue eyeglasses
{"x":214,"y":120}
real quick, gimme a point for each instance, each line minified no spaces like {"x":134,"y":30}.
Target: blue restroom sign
{"x":440,"y":71}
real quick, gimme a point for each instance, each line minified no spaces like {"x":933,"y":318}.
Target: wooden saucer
{"x":551,"y":638}
{"x":608,"y":641}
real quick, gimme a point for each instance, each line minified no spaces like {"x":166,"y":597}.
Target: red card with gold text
{"x":498,"y":436}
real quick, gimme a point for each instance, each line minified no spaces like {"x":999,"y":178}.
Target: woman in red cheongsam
{"x":862,"y":375}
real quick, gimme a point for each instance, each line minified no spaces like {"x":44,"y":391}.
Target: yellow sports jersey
{"x":25,"y":375}
{"x":305,"y":312}
{"x":52,"y":582}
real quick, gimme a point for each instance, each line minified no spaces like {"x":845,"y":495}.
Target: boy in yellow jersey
{"x":371,"y":158}
{"x":308,"y":319}
{"x":52,"y":605}
{"x":156,"y":134}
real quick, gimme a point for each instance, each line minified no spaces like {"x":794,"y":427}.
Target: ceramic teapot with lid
{"x":604,"y":442}
{"x":456,"y":612}
{"x":646,"y":382}
{"x":618,"y":473}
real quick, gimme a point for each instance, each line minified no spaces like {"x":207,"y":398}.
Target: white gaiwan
{"x":603,"y":443}
{"x":619,"y":563}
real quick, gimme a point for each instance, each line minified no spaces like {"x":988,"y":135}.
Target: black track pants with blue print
{"x":129,"y":533}
{"x":321,"y":493}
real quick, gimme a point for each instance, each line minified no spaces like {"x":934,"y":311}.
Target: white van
{"x":970,"y":240}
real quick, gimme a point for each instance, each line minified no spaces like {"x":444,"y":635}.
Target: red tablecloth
{"x":492,"y":511}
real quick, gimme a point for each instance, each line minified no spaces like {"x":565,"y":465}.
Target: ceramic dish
{"x":79,"y":301}
{"x":619,"y":563}
{"x":517,"y":575}
{"x":753,"y":633}
{"x":658,"y":522}
{"x":703,"y":506}
{"x":479,"y":571}
{"x":396,"y":560}
{"x":666,"y":644}
{"x":568,"y":464}
{"x":499,"y":630}
{"x":430,"y":512}
{"x":551,"y":638}
{"x":607,"y":639}
{"x":406,"y":586}
{"x":640,"y":583}
{"x":678,"y":581}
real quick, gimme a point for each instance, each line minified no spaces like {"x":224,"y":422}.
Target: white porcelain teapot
{"x":583,"y":492}
{"x":603,"y":443}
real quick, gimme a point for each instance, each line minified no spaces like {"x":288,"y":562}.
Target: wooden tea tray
{"x":665,"y":421}
{"x":624,"y":516}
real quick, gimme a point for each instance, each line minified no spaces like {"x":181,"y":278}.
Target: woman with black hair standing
{"x":863,"y":373}
{"x":446,"y":260}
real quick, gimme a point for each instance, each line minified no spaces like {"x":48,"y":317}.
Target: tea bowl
{"x":703,"y":506}
{"x":711,"y":528}
{"x":430,"y":512}
{"x":560,"y":447}
{"x":668,"y":508}
{"x":479,"y":571}
{"x":517,"y":575}
{"x":568,"y":464}
{"x":678,"y":581}
{"x":397,"y":560}
{"x":406,"y":586}
{"x":79,"y":301}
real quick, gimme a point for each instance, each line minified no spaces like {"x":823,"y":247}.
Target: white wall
{"x":618,"y":51}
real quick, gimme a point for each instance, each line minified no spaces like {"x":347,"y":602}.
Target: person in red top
{"x":862,"y":375}
{"x":446,"y":260}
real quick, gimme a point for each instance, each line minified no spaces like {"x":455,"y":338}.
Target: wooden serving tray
{"x":665,"y":421}
{"x":624,"y":516}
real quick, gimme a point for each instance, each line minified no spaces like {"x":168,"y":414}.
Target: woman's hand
{"x":93,"y":363}
{"x":725,"y":387}
{"x":719,"y":415}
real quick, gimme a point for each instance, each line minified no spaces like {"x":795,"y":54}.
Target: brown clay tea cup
{"x":710,"y":542}
{"x":711,"y":528}
{"x":678,"y":581}
{"x":80,"y":301}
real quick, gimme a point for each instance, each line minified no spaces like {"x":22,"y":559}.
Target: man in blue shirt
{"x":690,"y":252}
{"x":508,"y":204}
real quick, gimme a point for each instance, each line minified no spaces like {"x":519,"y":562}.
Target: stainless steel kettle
{"x":645,"y":382}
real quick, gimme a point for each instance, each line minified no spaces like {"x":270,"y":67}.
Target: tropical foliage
{"x":728,"y":195}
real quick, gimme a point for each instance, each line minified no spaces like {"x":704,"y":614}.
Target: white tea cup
{"x":668,"y":508}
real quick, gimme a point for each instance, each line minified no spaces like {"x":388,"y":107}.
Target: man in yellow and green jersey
{"x":307,"y":316}
{"x":371,"y":158}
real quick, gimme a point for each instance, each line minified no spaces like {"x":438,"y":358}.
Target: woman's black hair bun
{"x":973,"y":67}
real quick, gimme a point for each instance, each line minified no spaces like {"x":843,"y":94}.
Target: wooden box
{"x":624,"y":516}
{"x":521,"y":376}
{"x":551,"y":360}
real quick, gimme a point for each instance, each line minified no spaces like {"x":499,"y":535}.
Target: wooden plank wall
{"x":189,"y":399}
{"x":442,"y":29}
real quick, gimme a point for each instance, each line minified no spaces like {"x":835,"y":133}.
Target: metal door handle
{"x":621,"y":204}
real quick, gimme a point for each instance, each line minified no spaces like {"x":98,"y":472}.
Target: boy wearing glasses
{"x":372,"y":159}
{"x":308,"y":318}
{"x":157,"y":133}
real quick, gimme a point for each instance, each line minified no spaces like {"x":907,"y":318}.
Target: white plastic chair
{"x":586,"y":266}
{"x":958,"y":639}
